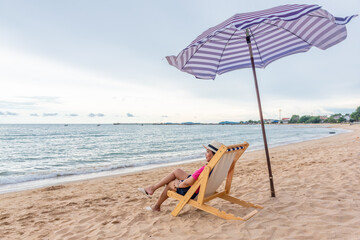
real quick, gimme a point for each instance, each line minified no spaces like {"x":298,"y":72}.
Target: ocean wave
{"x":5,"y":179}
{"x":122,"y":148}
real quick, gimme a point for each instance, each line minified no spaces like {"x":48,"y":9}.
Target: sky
{"x":92,"y":61}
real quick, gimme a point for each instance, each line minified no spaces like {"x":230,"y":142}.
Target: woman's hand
{"x":176,"y":183}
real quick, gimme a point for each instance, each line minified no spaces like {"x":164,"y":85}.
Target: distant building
{"x":323,"y":118}
{"x":285,"y":120}
{"x":268,"y":121}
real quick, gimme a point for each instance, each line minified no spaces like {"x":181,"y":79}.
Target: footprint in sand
{"x":52,"y":188}
{"x":4,"y":216}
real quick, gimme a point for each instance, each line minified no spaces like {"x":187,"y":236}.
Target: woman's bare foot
{"x":150,"y":190}
{"x":155,"y":208}
{"x":152,"y":208}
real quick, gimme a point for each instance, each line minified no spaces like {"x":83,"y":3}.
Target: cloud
{"x":8,"y":114}
{"x":50,"y":114}
{"x":164,"y":116}
{"x":26,"y":102}
{"x":341,"y":110}
{"x":43,"y":99}
{"x":96,"y":115}
{"x":11,"y":113}
{"x":130,"y":115}
{"x":72,"y":115}
{"x":16,"y":104}
{"x":34,"y":115}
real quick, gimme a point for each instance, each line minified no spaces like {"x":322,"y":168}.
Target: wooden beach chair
{"x":214,"y":173}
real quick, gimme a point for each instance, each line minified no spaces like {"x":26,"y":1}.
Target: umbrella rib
{"x":191,"y":56}
{"x":287,"y":31}
{"x":292,"y":32}
{"x":271,"y":24}
{"x":217,"y":68}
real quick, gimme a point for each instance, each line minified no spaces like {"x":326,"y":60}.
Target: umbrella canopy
{"x":275,"y":33}
{"x":256,"y":39}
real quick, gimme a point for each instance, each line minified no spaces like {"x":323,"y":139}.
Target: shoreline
{"x":41,"y":183}
{"x":36,"y":184}
{"x":317,"y":185}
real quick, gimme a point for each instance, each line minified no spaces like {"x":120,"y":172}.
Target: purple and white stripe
{"x":234,"y":149}
{"x":275,"y":33}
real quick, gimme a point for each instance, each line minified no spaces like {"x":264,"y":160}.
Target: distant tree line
{"x":356,"y":115}
{"x":250,"y":122}
{"x":335,"y":118}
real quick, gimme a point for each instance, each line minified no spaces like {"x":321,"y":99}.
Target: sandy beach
{"x":317,"y":187}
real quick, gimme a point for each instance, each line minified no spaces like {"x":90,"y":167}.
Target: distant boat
{"x":66,"y":125}
{"x":331,"y":132}
{"x":98,"y":125}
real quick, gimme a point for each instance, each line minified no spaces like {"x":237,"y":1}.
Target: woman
{"x":179,"y":180}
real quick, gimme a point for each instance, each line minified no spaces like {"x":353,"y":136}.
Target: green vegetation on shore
{"x":335,"y":118}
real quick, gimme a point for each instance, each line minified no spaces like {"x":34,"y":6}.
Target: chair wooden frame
{"x":202,"y":182}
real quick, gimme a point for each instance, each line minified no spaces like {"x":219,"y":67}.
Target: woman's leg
{"x":163,"y":196}
{"x":176,"y":174}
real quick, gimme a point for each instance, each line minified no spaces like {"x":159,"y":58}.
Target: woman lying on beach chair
{"x":178,"y":180}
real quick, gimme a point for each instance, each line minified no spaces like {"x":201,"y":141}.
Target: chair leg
{"x":183,"y":200}
{"x":212,"y":210}
{"x":240,"y":202}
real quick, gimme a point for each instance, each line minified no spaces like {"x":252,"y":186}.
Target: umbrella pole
{"x":261,"y":115}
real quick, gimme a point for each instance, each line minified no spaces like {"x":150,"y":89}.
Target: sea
{"x":33,"y":156}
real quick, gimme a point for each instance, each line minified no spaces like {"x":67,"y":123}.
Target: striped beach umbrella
{"x":256,"y":39}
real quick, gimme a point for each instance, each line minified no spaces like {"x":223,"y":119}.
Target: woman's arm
{"x":185,"y":183}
